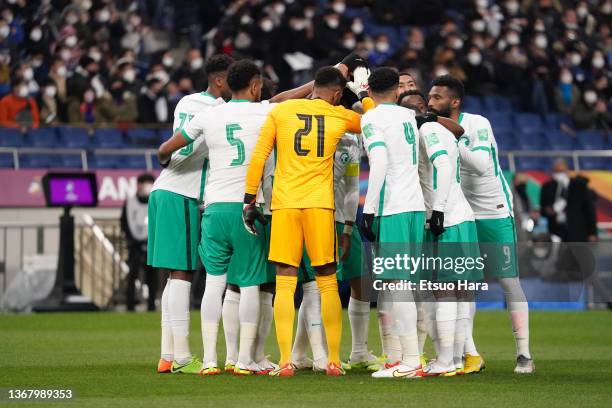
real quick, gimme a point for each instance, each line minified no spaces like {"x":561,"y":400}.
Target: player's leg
{"x":287,"y":254}
{"x":299,"y":358}
{"x":391,"y":346}
{"x":266,"y":315}
{"x":231,"y":325}
{"x":167,"y":343}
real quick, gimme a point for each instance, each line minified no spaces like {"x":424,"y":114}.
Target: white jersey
{"x":346,"y":164}
{"x":267,"y":183}
{"x":395,"y":128}
{"x":436,"y":140}
{"x":184,"y":174}
{"x":482,"y":180}
{"x":230,"y":132}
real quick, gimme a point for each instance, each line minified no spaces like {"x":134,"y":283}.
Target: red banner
{"x":23,"y":188}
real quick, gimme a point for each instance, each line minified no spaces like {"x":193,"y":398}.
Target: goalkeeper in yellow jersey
{"x":305,"y":133}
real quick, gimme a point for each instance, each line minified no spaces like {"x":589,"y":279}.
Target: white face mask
{"x":349,"y":43}
{"x":242,"y":41}
{"x":541,"y":41}
{"x":168,"y":61}
{"x":36,"y":34}
{"x":23,"y":92}
{"x":72,"y":19}
{"x":61,"y":71}
{"x":598,"y":62}
{"x":9,"y":17}
{"x":575,"y":59}
{"x":37,"y":63}
{"x":474,"y":58}
{"x":28,"y":74}
{"x":566,"y":78}
{"x":582,"y":12}
{"x":279,"y":8}
{"x":540,"y":28}
{"x":129,"y":75}
{"x":309,"y":13}
{"x":457,"y":43}
{"x":86,"y":4}
{"x":479,"y":25}
{"x":332,"y":23}
{"x":512,"y":7}
{"x":339,"y":7}
{"x":266,"y":25}
{"x":382,"y":46}
{"x":162,"y":76}
{"x":71,"y":41}
{"x":482,"y":4}
{"x":88,"y":97}
{"x":590,"y":97}
{"x":357,"y":27}
{"x":65,"y":54}
{"x":50,"y":91}
{"x":4,"y":31}
{"x":196,"y":63}
{"x":298,"y":25}
{"x":246,"y":19}
{"x":607,"y":8}
{"x":513,"y":39}
{"x":104,"y":15}
{"x":440,"y":72}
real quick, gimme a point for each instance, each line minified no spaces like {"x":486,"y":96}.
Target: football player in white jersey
{"x":451,"y":221}
{"x":394,"y":214}
{"x":489,"y":195}
{"x":174,"y":223}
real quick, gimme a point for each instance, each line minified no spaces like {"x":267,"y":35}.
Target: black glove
{"x":250,"y":214}
{"x":366,"y":225}
{"x":425,"y":118}
{"x":354,"y":60}
{"x":436,"y":223}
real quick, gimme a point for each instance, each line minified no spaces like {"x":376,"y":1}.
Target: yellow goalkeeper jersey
{"x":305,"y":133}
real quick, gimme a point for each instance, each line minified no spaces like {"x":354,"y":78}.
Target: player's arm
{"x":449,"y":124}
{"x":377,"y":155}
{"x":475,"y":156}
{"x":351,"y":201}
{"x":438,"y":156}
{"x":181,"y":138}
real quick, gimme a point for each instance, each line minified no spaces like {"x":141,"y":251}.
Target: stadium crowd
{"x":102,"y":61}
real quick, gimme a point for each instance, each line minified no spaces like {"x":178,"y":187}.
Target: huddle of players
{"x":212,"y":147}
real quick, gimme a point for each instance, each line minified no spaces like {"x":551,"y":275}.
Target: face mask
{"x":582,"y":12}
{"x":590,"y":97}
{"x":457,"y":44}
{"x":65,"y":54}
{"x":598,"y":62}
{"x":566,"y":78}
{"x":37,"y":63}
{"x":482,"y":4}
{"x":309,"y":13}
{"x":242,"y":41}
{"x":8,"y":17}
{"x":50,"y":91}
{"x":36,"y":34}
{"x":86,"y":4}
{"x":72,"y":19}
{"x":61,"y":71}
{"x":88,"y":97}
{"x":266,"y":26}
{"x":279,"y":8}
{"x":440,"y":72}
{"x":71,"y":41}
{"x":135,"y":21}
{"x":168,"y":61}
{"x":540,"y":28}
{"x":162,"y":76}
{"x":382,"y":46}
{"x":607,"y":8}
{"x":512,"y":7}
{"x":246,"y":19}
{"x":104,"y":15}
{"x":196,"y":63}
{"x":299,"y":25}
{"x":349,"y":43}
{"x":513,"y":39}
{"x":28,"y":73}
{"x":129,"y":75}
{"x":541,"y":41}
{"x":332,"y":23}
{"x":479,"y":26}
{"x":474,"y":58}
{"x":575,"y":59}
{"x":4,"y":31}
{"x":339,"y":7}
{"x":357,"y":27}
{"x":22,"y":92}
{"x":561,"y":178}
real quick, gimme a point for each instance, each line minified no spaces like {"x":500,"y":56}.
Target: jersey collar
{"x":239,"y":100}
{"x":207,"y":94}
{"x":460,"y":118}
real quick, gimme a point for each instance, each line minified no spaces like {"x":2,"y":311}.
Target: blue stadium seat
{"x":531,"y":163}
{"x":35,"y":161}
{"x":165,"y":134}
{"x":528,"y":122}
{"x":558,"y":140}
{"x":532,"y":141}
{"x":108,"y":138}
{"x":472,"y":104}
{"x":593,"y":163}
{"x":133,"y":162}
{"x":103,"y":161}
{"x":143,"y":137}
{"x":6,"y":161}
{"x":495,"y":103}
{"x":500,"y":122}
{"x":43,"y":137}
{"x":504,"y":163}
{"x":71,"y":161}
{"x":553,"y":121}
{"x":506,"y":141}
{"x":74,"y":137}
{"x":589,"y":140}
{"x":10,"y":137}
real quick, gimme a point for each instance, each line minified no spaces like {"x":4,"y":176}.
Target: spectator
{"x":193,"y":68}
{"x":566,"y":93}
{"x":152,"y":103}
{"x":18,"y":109}
{"x":84,"y":109}
{"x":591,"y":113}
{"x":82,"y":78}
{"x":49,"y":104}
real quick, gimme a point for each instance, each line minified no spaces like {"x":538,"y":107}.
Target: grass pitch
{"x":109,"y":360}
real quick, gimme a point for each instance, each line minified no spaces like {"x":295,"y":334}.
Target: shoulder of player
{"x":475,"y":119}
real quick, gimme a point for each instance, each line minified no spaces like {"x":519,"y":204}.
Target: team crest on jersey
{"x":431,"y":139}
{"x":344,"y":157}
{"x":483,"y":135}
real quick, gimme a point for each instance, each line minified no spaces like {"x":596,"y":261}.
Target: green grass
{"x":109,"y":360}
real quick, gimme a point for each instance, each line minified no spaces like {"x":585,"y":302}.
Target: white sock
{"x":518,"y":311}
{"x":167,"y":344}
{"x":429,"y":306}
{"x":266,"y":315}
{"x":421,"y":325}
{"x":178,"y":308}
{"x":314,"y":323}
{"x":405,"y":314}
{"x":211,"y":314}
{"x":463,"y":318}
{"x":298,"y":352}
{"x":231,"y":324}
{"x":249,"y":320}
{"x":390,"y":341}
{"x":470,"y":347}
{"x":446,"y":317}
{"x":359,"y":318}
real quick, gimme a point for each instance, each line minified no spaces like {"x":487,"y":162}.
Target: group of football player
{"x":277,"y":177}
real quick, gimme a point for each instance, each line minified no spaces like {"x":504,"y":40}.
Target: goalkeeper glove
{"x":425,"y":118}
{"x":250,"y":214}
{"x":366,"y":227}
{"x":436,"y":223}
{"x":359,"y":85}
{"x":354,"y":60}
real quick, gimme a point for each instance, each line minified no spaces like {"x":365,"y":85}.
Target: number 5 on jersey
{"x":230,"y":128}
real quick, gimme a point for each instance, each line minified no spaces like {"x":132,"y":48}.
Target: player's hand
{"x":436,"y":223}
{"x":250,"y":214}
{"x":366,"y":227}
{"x":345,"y":245}
{"x":354,"y":60}
{"x":426,"y":118}
{"x":359,"y":85}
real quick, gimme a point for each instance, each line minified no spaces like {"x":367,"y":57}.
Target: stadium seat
{"x":6,"y":161}
{"x":528,"y":122}
{"x":35,"y":161}
{"x":531,"y":163}
{"x":143,"y":137}
{"x":133,"y":162}
{"x":108,"y":138}
{"x":589,"y":140}
{"x":495,"y":103}
{"x":553,"y":121}
{"x":558,"y":140}
{"x":472,"y":104}
{"x":500,"y":122}
{"x":164,"y":134}
{"x":43,"y":137}
{"x":74,"y":137}
{"x":531,"y":141}
{"x":10,"y":137}
{"x":504,"y":163}
{"x":593,"y":163}
{"x":71,"y":161}
{"x":104,"y":161}
{"x":506,"y":141}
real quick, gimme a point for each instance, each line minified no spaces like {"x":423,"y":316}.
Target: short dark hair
{"x":328,"y":77}
{"x":241,"y":73}
{"x":411,"y":93}
{"x":144,"y":178}
{"x":452,"y":83}
{"x":406,"y":73}
{"x":218,"y":63}
{"x":383,"y":79}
